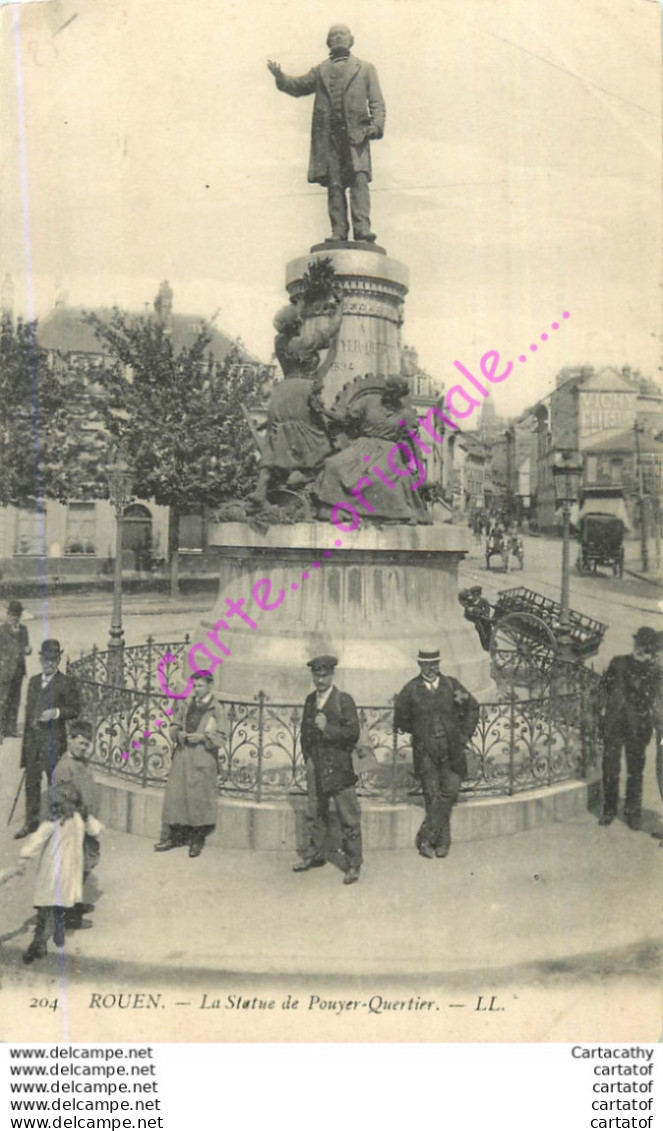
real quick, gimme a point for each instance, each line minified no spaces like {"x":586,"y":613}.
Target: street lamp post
{"x":119,"y":493}
{"x":644,"y":550}
{"x":510,"y":436}
{"x":566,"y":474}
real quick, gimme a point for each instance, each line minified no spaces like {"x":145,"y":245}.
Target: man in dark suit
{"x":441,"y":716}
{"x":330,"y":731}
{"x":630,"y":692}
{"x":52,"y":699}
{"x":348,"y":113}
{"x":14,"y":647}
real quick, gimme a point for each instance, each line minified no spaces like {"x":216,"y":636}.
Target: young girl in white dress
{"x":59,"y":883}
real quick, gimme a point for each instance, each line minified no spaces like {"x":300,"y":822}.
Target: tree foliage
{"x":178,"y":413}
{"x":32,"y":419}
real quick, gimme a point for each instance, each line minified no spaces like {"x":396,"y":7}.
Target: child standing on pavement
{"x":73,"y":770}
{"x":59,"y":883}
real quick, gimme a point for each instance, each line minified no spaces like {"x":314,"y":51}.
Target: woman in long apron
{"x":190,"y":802}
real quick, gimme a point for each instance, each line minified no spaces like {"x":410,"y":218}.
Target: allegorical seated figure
{"x":376,"y":478}
{"x":296,"y":440}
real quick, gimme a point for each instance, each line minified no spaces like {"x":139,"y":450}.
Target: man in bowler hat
{"x":441,"y":716}
{"x":630,"y":692}
{"x":330,"y":731}
{"x":52,"y":699}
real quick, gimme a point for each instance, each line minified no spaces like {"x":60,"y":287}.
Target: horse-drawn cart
{"x":521,"y":631}
{"x":603,"y":521}
{"x":496,"y":547}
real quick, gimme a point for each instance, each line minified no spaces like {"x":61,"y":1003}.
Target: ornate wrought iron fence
{"x":519,"y":744}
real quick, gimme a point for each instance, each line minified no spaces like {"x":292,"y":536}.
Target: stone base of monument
{"x":347,"y":245}
{"x":276,"y":826}
{"x":372,"y":598}
{"x":374,"y":287}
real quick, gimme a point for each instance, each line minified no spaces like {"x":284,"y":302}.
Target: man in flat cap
{"x":330,"y":731}
{"x":441,"y":716}
{"x":630,"y":692}
{"x":348,"y":113}
{"x":52,"y":699}
{"x":478,"y":612}
{"x":14,"y":647}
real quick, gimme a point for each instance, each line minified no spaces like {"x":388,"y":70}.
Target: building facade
{"x":613,"y":420}
{"x":77,"y":539}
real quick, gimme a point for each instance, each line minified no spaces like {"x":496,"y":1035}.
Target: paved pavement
{"x":633,"y":564}
{"x":555,"y":894}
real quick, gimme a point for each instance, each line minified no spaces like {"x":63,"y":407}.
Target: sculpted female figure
{"x":296,"y":442}
{"x":380,"y":425}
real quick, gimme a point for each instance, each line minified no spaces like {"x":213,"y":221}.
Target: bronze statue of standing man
{"x":348,"y":113}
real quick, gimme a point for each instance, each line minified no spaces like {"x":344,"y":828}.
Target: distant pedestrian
{"x":479,"y":612}
{"x":441,"y":716}
{"x":630,"y":689}
{"x":14,"y":647}
{"x":330,"y":732}
{"x":52,"y":700}
{"x":190,"y":803}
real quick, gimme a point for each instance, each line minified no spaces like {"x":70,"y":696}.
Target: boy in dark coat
{"x":441,"y":716}
{"x":72,"y":771}
{"x":330,"y":731}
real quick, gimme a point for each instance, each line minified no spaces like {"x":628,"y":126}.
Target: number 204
{"x":43,"y":1003}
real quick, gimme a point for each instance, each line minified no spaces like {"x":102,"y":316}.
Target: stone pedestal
{"x":374,"y":288}
{"x":373,"y":602}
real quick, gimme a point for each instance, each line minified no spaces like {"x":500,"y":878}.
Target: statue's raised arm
{"x":348,"y":113}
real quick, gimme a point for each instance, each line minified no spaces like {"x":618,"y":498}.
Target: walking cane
{"x":18,"y":794}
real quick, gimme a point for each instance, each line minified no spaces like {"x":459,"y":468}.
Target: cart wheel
{"x":522,"y":651}
{"x":621,"y":564}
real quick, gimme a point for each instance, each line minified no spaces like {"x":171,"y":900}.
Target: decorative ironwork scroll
{"x":519,"y":744}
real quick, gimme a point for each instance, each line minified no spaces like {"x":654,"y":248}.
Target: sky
{"x":519,"y":175}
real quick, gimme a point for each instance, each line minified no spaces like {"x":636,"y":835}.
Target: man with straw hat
{"x":441,"y":716}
